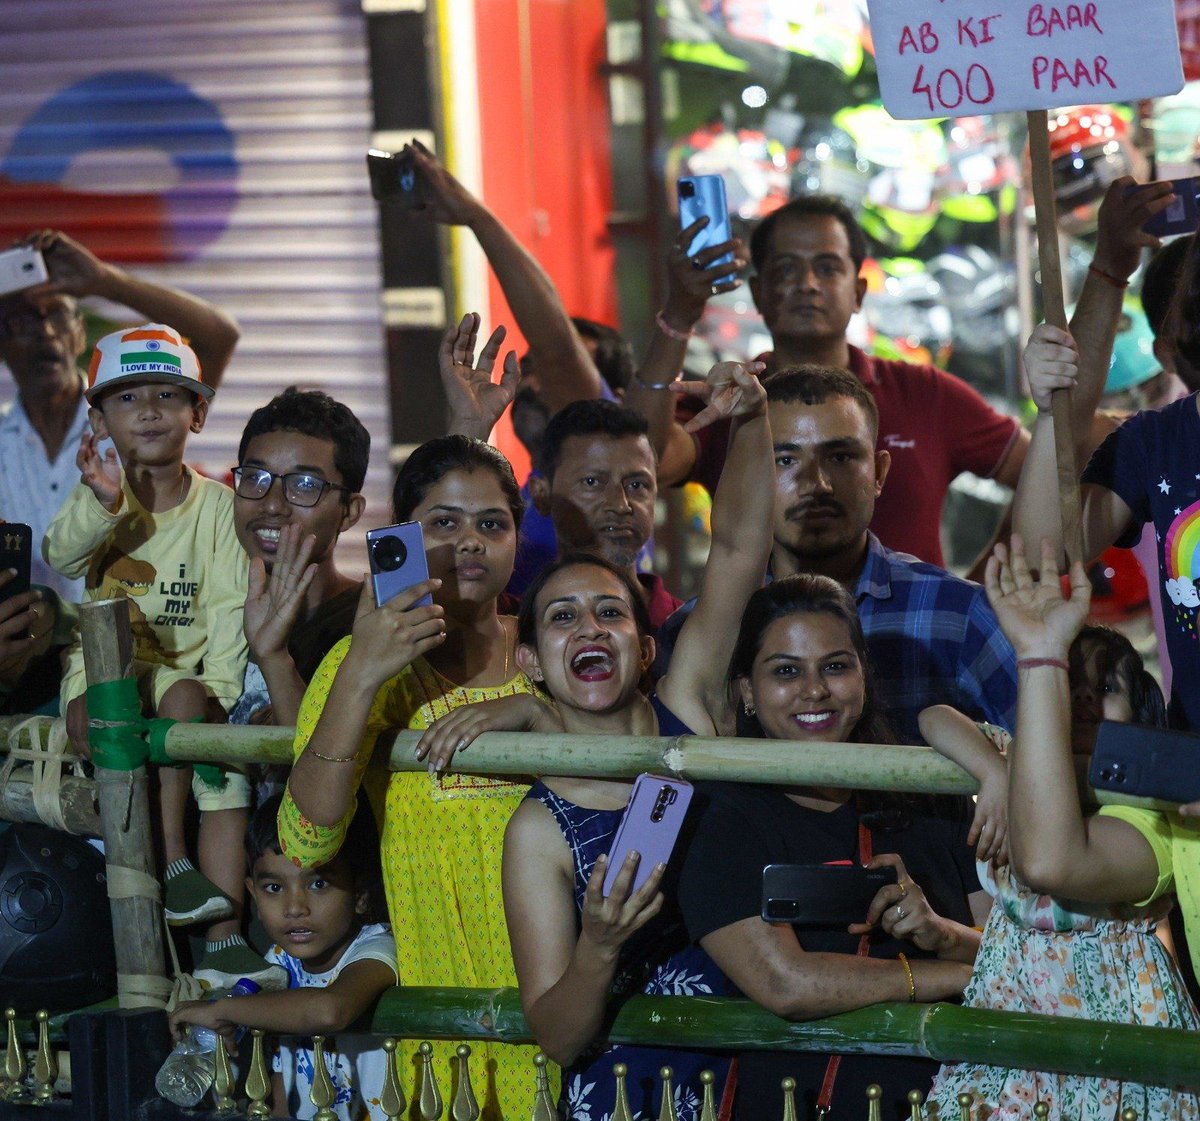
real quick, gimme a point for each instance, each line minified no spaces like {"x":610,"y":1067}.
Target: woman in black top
{"x":799,"y":670}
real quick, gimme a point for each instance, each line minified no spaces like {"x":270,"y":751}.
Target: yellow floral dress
{"x":442,"y":838}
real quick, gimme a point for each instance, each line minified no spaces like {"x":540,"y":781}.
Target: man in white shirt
{"x":41,"y":340}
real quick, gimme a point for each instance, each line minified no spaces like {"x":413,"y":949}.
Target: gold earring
{"x":750,"y":709}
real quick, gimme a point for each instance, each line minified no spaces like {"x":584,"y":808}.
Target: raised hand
{"x":1038,"y":621}
{"x":732,"y":389}
{"x":1126,"y":208}
{"x":386,"y":639}
{"x":608,"y":921}
{"x":274,"y":600}
{"x":102,"y":473}
{"x":445,"y":199}
{"x":692,"y":280}
{"x":74,"y":270}
{"x":1051,"y":361}
{"x":475,"y":402}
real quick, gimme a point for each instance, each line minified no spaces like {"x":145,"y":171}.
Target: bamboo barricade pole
{"x":1055,"y":311}
{"x":943,"y":1032}
{"x":77,"y":802}
{"x":125,"y":824}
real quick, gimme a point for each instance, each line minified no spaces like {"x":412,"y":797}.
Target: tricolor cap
{"x":152,"y":352}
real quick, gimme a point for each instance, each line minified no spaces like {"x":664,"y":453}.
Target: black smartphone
{"x":1148,"y":762}
{"x":703,"y":196}
{"x":1182,"y":216}
{"x":16,"y":551}
{"x":824,"y":896}
{"x":397,"y":557}
{"x":394,"y":178}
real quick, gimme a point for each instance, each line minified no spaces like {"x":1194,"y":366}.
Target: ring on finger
{"x":697,"y":263}
{"x":900,"y":912}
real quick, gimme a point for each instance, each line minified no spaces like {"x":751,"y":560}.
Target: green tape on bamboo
{"x":391,"y":1101}
{"x":621,"y":1109}
{"x":667,"y":1111}
{"x":543,"y":1100}
{"x":115,"y":725}
{"x":915,"y":1100}
{"x":464,"y":1106}
{"x":430,"y":1103}
{"x":258,"y":1080}
{"x":708,"y":1110}
{"x":45,"y":1065}
{"x":788,"y":1086}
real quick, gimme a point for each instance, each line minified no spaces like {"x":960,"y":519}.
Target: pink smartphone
{"x":650,"y":826}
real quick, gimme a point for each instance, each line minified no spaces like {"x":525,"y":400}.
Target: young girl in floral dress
{"x":1052,"y":956}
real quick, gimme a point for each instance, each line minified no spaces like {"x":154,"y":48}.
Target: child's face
{"x":258,"y":521}
{"x":148,"y":421}
{"x":1098,"y":692}
{"x":310,"y":913}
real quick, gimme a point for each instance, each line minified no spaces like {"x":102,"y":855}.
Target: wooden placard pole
{"x":125,"y":825}
{"x":1055,"y":312}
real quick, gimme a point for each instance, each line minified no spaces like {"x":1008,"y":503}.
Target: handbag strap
{"x":825,"y":1097}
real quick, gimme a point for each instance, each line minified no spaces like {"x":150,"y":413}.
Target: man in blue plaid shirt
{"x":933,"y":637}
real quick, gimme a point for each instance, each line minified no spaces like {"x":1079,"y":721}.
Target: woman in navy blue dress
{"x":585,"y":637}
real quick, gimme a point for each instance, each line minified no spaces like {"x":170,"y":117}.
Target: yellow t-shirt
{"x":442,"y":838}
{"x":183,"y":572}
{"x":1175,"y":842}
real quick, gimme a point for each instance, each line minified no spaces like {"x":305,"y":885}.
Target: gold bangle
{"x":331,"y":758}
{"x":912,"y":984}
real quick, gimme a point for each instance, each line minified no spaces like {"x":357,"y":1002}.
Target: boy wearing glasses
{"x":143,"y":526}
{"x":301,"y":464}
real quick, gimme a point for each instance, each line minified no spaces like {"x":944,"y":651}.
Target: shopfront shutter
{"x":218,"y":146}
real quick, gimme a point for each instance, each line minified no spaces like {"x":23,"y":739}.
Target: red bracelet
{"x":669,"y":331}
{"x":1033,"y":663}
{"x":1115,"y":281}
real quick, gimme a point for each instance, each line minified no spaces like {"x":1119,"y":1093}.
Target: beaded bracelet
{"x":332,"y":758}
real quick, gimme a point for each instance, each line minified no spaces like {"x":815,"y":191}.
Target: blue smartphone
{"x":1157,"y":763}
{"x":703,"y":196}
{"x":397,"y":557}
{"x":1182,"y":216}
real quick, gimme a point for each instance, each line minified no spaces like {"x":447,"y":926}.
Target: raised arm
{"x":565,"y":368}
{"x":690,"y":282}
{"x":473,"y":401}
{"x":75,"y":271}
{"x":743,"y":527}
{"x":1056,"y":849}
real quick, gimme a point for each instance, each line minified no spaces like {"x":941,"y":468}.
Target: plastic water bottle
{"x":187,"y":1074}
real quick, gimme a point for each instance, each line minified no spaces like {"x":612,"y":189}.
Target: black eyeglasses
{"x":299,"y":487}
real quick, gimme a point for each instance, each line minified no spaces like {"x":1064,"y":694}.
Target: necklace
{"x":507,"y":649}
{"x":183,"y":482}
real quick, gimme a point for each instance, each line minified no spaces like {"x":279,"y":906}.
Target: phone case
{"x":397,"y":558}
{"x":828,"y":896}
{"x":20,"y":268}
{"x":16,"y":551}
{"x":703,"y":196}
{"x":1149,"y":762}
{"x":1182,"y":216}
{"x":394,"y":177}
{"x":649,"y":826}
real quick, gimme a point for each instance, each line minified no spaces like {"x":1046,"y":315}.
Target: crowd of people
{"x":824,"y":615}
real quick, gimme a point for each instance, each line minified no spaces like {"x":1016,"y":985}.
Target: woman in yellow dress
{"x":404,"y":666}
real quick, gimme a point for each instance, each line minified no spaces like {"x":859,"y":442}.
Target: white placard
{"x":957,"y":58}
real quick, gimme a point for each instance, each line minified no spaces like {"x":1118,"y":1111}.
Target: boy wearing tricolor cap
{"x":144,"y":526}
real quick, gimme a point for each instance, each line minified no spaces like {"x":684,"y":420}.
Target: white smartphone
{"x":21,"y":268}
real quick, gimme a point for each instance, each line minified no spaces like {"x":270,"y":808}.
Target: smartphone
{"x":394,"y":178}
{"x":397,"y":557}
{"x":826,"y":896}
{"x":21,"y":268}
{"x":703,"y":196}
{"x":16,"y":551}
{"x":1182,"y":216}
{"x":1148,"y":762}
{"x":649,"y":826}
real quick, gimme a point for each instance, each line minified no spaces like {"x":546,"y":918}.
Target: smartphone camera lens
{"x":388,"y":553}
{"x":783,"y":910}
{"x":687,"y":190}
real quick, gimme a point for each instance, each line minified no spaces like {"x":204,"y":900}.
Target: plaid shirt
{"x":934,"y":639}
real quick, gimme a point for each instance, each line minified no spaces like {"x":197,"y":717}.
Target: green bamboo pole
{"x":727,"y":758}
{"x":942,"y":1032}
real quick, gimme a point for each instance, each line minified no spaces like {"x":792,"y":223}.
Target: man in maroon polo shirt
{"x":807,"y":258}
